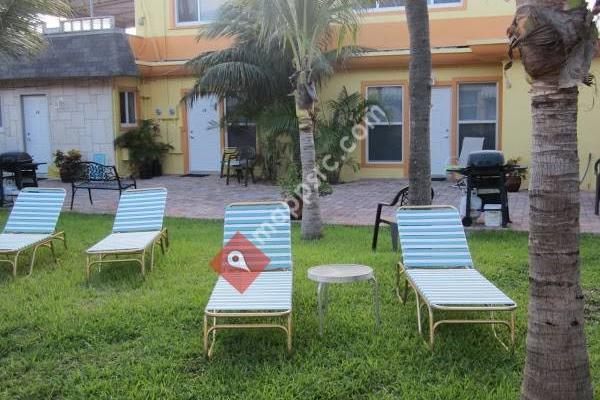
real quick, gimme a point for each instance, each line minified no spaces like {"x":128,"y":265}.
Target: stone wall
{"x":80,"y":112}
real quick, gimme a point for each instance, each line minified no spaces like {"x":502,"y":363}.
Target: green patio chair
{"x":31,"y":225}
{"x":137,"y":229}
{"x":266,"y":226}
{"x":437,"y":265}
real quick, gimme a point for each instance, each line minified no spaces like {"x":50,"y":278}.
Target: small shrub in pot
{"x":67,"y":164}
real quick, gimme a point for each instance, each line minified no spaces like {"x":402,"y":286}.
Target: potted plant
{"x":67,"y":164}
{"x":291,"y":190}
{"x":145,"y":149}
{"x":514,"y":179}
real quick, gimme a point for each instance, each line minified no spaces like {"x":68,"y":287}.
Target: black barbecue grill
{"x":486,"y":174}
{"x":18,"y":167}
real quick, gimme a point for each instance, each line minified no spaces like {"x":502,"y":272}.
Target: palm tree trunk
{"x":311,"y":212}
{"x":419,"y":174}
{"x":557,"y":365}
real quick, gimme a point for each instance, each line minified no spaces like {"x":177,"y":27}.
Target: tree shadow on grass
{"x":116,"y":277}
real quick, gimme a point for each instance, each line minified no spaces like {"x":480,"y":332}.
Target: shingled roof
{"x":76,"y":55}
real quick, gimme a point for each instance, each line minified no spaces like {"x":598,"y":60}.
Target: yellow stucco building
{"x":472,"y":96}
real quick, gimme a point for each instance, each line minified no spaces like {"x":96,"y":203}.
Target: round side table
{"x":325,"y":275}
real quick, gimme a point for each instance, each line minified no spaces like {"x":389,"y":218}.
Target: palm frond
{"x":20,"y":22}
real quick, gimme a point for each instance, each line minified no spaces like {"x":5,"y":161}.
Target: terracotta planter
{"x":513,"y":183}
{"x":296,"y":204}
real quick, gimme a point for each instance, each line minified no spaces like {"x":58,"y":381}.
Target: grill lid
{"x":14,"y":157}
{"x":10,"y":160}
{"x":486,"y":159}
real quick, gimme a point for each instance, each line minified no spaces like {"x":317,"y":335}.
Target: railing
{"x":88,"y":24}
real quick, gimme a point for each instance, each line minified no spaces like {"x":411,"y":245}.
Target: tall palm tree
{"x":419,"y":173}
{"x":556,"y":40}
{"x":19,"y":22}
{"x":308,"y":28}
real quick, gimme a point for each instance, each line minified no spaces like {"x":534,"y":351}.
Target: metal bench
{"x":94,"y":176}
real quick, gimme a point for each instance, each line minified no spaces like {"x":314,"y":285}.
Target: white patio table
{"x":325,"y":275}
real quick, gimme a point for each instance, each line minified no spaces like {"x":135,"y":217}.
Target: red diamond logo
{"x":240,"y":262}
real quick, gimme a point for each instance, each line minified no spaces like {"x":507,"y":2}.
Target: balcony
{"x":122,"y":10}
{"x":82,"y":25}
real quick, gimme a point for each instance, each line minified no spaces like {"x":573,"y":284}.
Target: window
{"x":384,"y":141}
{"x":478,"y":113}
{"x":241,"y":131}
{"x":391,"y":4}
{"x":128,"y":108}
{"x":196,"y":11}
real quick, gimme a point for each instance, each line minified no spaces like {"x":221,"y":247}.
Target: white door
{"x":204,"y":135}
{"x":441,"y":123}
{"x":36,"y":127}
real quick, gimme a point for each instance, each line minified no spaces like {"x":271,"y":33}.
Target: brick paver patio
{"x":351,"y":203}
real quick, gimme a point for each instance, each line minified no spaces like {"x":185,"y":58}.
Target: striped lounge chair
{"x":138,"y":227}
{"x":437,"y":265}
{"x":31,"y":225}
{"x":266,"y":226}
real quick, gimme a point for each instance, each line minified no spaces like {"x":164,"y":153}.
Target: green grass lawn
{"x":125,"y":337}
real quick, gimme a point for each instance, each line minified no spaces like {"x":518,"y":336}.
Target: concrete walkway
{"x":351,"y":203}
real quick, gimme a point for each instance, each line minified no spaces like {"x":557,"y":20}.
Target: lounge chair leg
{"x":212,"y":330}
{"x":405,"y":295}
{"x":162,"y":244}
{"x":15,"y":263}
{"x":205,"y":335}
{"x":64,"y":239}
{"x":431,"y":328}
{"x":512,"y":330}
{"x":51,"y":245}
{"x":289,"y":333}
{"x":87,"y":268}
{"x":143,"y":263}
{"x":35,"y":249}
{"x":152,"y":257}
{"x":419,"y":315}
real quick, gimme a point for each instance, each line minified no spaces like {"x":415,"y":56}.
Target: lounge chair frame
{"x":433,"y":324}
{"x":12,"y":257}
{"x":211,"y":325}
{"x":123,"y":256}
{"x":211,"y":317}
{"x":421,"y":302}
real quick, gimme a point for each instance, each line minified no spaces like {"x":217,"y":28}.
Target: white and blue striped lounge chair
{"x":267,"y":226}
{"x":31,"y":225}
{"x":138,"y":227}
{"x":438,"y":267}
